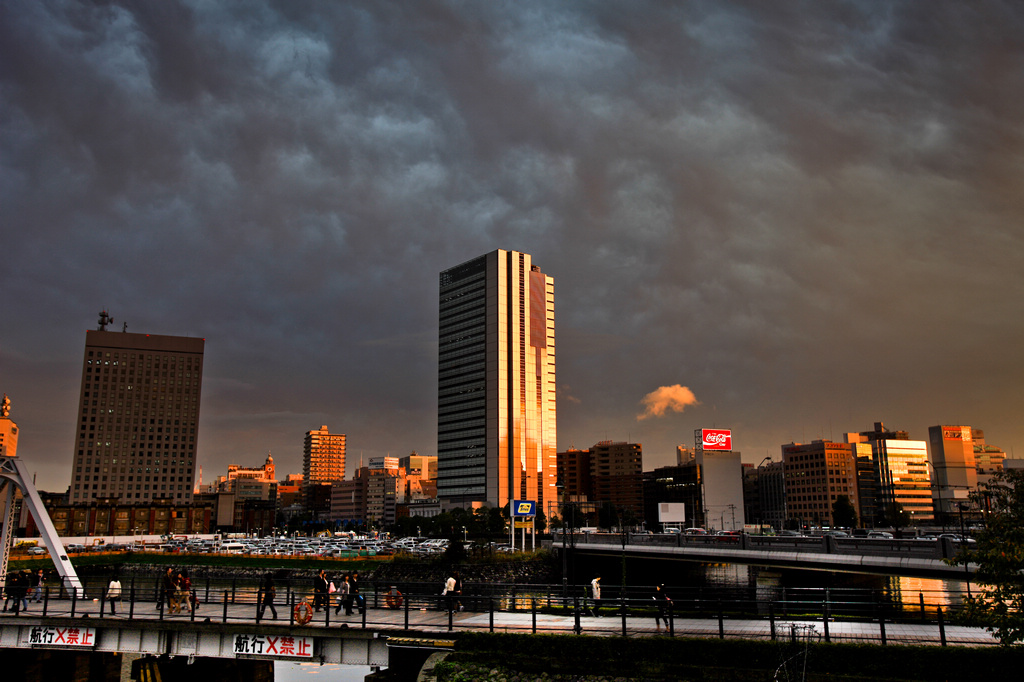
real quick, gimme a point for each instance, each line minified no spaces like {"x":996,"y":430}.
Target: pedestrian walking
{"x":37,"y":586}
{"x":320,"y":590}
{"x":269,"y":593}
{"x":113,"y":593}
{"x":169,"y":589}
{"x":458,"y":591}
{"x":449,"y":592}
{"x":344,"y":596}
{"x":8,"y":590}
{"x":595,"y":594}
{"x":357,"y":599}
{"x":663,"y":603}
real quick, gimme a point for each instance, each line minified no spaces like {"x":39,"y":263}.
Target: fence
{"x":804,"y":613}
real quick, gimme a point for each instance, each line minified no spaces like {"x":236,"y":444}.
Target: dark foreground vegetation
{"x":482,"y":656}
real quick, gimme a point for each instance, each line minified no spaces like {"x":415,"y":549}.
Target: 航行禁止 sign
{"x":281,"y":646}
{"x":61,"y":637}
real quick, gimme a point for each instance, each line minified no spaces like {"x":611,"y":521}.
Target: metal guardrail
{"x":834,"y":614}
{"x":940,"y":548}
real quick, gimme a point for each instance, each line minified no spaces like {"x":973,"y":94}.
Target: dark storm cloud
{"x":810,"y":214}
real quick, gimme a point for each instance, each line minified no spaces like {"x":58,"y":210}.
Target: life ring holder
{"x":303,"y":612}
{"x":393,"y":600}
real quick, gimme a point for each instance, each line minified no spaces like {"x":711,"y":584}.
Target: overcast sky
{"x":810,"y":216}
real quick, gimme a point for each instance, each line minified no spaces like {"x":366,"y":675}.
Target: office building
{"x":721,"y":478}
{"x":817,"y":474}
{"x":764,"y":494}
{"x":989,"y":459}
{"x":680,"y":484}
{"x":422,"y":467}
{"x":323,"y":457}
{"x":956,"y":472}
{"x":901,"y":478}
{"x":138,"y":415}
{"x":496,"y":383}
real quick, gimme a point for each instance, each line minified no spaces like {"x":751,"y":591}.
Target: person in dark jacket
{"x":320,"y":590}
{"x":663,"y":602}
{"x":269,"y":592}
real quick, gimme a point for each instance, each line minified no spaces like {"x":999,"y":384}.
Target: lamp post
{"x":565,"y":576}
{"x":464,"y":538}
{"x":760,"y":494}
{"x":963,"y":541}
{"x":622,"y":534}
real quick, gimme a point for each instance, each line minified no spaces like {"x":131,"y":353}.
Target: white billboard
{"x":671,"y":512}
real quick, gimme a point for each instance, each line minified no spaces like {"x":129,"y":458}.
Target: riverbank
{"x":560,"y":658}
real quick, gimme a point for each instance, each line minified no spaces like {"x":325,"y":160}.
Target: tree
{"x":999,"y":554}
{"x":844,"y":515}
{"x":607,"y":516}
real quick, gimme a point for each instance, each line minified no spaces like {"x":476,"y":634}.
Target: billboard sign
{"x":524,"y":508}
{"x":715,"y":439}
{"x":671,"y":512}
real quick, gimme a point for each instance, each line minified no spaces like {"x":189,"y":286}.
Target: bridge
{"x":228,"y":625}
{"x":907,"y":557}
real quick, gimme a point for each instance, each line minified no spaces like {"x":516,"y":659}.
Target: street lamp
{"x":963,"y":541}
{"x":760,"y":494}
{"x":464,"y":539}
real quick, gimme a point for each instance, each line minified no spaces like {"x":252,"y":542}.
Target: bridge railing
{"x":239,"y":598}
{"x":827,"y":614}
{"x":941,"y":548}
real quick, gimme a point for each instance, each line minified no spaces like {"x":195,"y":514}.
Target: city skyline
{"x":789,"y":220}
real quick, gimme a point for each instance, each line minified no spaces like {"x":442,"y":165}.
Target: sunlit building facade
{"x":323,"y":456}
{"x":817,"y":474}
{"x":956,"y":473}
{"x":138,"y":417}
{"x":496,"y":423}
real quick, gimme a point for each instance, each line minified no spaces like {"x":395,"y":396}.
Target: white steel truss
{"x":14,"y":473}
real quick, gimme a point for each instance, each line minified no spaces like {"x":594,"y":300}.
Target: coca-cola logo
{"x":717,"y":440}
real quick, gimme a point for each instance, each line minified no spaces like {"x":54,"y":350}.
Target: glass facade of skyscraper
{"x":496,"y":381}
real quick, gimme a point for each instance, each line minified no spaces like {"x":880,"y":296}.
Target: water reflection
{"x":285,"y":671}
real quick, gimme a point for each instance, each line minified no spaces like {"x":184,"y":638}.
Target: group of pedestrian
{"x":21,"y":587}
{"x":348,"y":596}
{"x":662,"y":602}
{"x":178,"y":591}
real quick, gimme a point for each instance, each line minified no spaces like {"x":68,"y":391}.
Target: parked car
{"x":880,"y":534}
{"x":37,"y":550}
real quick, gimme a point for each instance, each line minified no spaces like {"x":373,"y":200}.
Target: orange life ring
{"x":303,"y":612}
{"x":393,"y":599}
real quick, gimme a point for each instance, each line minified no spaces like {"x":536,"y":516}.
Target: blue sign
{"x":524,"y":508}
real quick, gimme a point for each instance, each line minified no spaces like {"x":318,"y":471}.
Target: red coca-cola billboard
{"x":716,"y":439}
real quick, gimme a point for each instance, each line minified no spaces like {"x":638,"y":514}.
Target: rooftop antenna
{"x":105,"y":319}
{"x":124,"y":328}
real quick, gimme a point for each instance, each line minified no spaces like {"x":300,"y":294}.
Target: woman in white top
{"x":114,"y":594}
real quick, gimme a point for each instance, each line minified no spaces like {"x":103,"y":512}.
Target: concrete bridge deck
{"x":910,"y":557}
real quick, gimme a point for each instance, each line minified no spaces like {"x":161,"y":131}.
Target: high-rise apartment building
{"x":323,"y":458}
{"x":138,"y":417}
{"x":496,"y":382}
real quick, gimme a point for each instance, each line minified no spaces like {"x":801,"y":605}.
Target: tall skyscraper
{"x":323,"y":458}
{"x":496,"y":382}
{"x":138,"y":417}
